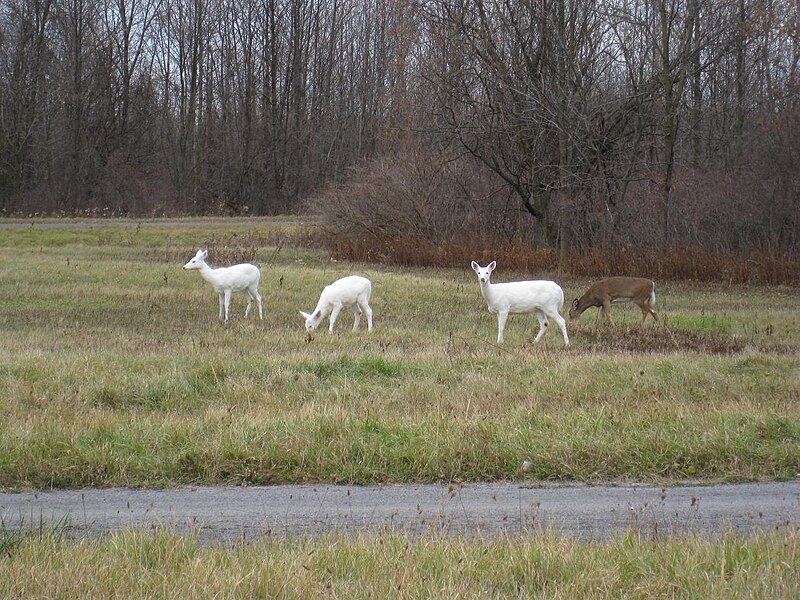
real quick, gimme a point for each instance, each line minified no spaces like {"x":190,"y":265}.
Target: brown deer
{"x":603,"y":293}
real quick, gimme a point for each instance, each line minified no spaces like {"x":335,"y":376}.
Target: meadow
{"x":135,"y":564}
{"x":115,"y":371}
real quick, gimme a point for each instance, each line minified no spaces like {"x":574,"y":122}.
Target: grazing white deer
{"x":227,"y":280}
{"x":605,"y":292}
{"x":542,"y":298}
{"x":353,"y":291}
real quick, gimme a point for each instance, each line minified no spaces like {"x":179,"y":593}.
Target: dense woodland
{"x":576,"y":124}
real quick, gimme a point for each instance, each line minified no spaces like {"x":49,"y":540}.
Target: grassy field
{"x":114,"y":370}
{"x":135,"y":564}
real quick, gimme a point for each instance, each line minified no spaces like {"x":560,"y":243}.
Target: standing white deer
{"x":605,"y":292}
{"x":542,"y":298}
{"x":353,"y":291}
{"x":227,"y":280}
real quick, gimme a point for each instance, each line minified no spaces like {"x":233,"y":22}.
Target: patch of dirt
{"x":662,"y":339}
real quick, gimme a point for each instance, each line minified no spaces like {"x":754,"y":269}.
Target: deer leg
{"x":368,"y":311}
{"x":647,"y":310}
{"x":542,"y":326}
{"x":334,"y":315}
{"x":501,"y":325}
{"x":606,"y":310}
{"x":249,"y":296}
{"x":227,"y":304}
{"x":562,"y":324}
{"x":258,"y":299}
{"x":221,"y":305}
{"x":652,"y":311}
{"x":357,"y":315}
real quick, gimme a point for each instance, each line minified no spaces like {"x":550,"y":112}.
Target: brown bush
{"x":680,"y":262}
{"x":418,"y":196}
{"x":676,"y":263}
{"x":417,"y":210}
{"x":456,"y":252}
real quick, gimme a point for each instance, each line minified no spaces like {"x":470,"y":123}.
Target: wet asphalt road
{"x":235,"y":514}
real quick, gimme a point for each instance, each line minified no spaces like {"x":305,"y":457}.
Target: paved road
{"x":230,"y":514}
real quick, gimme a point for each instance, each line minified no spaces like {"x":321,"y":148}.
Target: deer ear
{"x":305,"y":314}
{"x":492,"y":266}
{"x":475,"y":266}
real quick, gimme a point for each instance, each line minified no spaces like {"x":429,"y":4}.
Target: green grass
{"x":136,"y":564}
{"x":114,"y":370}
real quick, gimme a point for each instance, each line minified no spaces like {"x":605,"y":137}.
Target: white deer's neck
{"x":488,"y":289}
{"x":208,"y":273}
{"x":324,"y":308}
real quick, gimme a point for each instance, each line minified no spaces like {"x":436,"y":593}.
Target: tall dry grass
{"x":675,"y":263}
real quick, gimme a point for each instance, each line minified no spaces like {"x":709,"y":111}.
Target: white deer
{"x":353,"y":291}
{"x":605,"y":292}
{"x":542,"y":298}
{"x":227,"y":280}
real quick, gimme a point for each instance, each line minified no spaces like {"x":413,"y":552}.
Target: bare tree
{"x":606,"y":122}
{"x":24,"y":60}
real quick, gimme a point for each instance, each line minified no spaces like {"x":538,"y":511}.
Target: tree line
{"x":577,"y":122}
